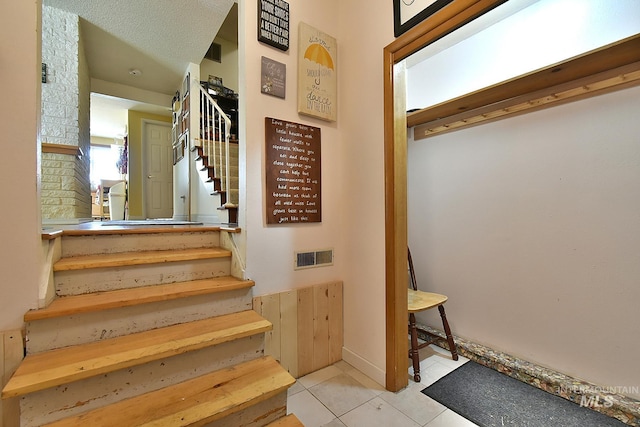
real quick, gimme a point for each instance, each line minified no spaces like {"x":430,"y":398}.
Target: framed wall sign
{"x":293,"y":172}
{"x":273,"y":23}
{"x":273,"y":77}
{"x":317,"y":78}
{"x":408,"y":13}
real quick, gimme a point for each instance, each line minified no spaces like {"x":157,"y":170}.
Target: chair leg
{"x":447,"y":331}
{"x":414,"y":353}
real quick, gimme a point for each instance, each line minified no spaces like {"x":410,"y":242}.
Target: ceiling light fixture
{"x":135,"y":72}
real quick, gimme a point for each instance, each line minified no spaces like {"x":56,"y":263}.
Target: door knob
{"x":149,"y":176}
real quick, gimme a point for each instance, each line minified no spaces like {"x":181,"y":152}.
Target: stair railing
{"x":215,"y":126}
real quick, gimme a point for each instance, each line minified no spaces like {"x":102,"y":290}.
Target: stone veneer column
{"x":66,"y":192}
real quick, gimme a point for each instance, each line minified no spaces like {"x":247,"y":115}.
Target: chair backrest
{"x":412,"y":274}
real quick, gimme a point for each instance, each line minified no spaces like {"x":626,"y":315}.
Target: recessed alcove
{"x":606,"y":67}
{"x":522,"y":56}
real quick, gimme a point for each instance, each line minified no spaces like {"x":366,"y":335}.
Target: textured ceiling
{"x":157,"y":37}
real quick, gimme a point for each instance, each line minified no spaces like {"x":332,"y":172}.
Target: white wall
{"x":270,"y":249}
{"x":227,"y":68}
{"x":184,"y":174}
{"x":20,"y":256}
{"x":352,"y":168}
{"x":368,"y":28}
{"x":190,"y":195}
{"x":544,"y":33}
{"x":531,"y":226}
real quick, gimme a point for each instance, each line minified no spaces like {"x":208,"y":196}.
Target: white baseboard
{"x":364,"y":366}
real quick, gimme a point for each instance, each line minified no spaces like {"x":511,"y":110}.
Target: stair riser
{"x":232,"y":193}
{"x":78,"y":282}
{"x":233,"y":160}
{"x":232,"y":187}
{"x":49,"y":334}
{"x":233,"y":170}
{"x":233,"y":148}
{"x":90,"y":245}
{"x":219,"y":169}
{"x":220,"y":174}
{"x":232,"y":152}
{"x":52,"y":404}
{"x":255,"y":416}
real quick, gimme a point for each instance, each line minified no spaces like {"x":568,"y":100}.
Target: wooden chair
{"x":420,"y":301}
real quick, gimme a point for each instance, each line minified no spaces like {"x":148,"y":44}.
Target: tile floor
{"x":340,"y":395}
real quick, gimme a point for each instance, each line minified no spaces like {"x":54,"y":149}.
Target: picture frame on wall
{"x":179,"y":148}
{"x":273,"y":23}
{"x":408,"y":13}
{"x":273,"y":77}
{"x":317,"y":78}
{"x":215,"y":82}
{"x":186,"y":85}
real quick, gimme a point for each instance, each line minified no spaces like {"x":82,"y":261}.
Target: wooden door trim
{"x":395,"y":166}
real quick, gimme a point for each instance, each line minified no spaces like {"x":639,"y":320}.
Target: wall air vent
{"x":313,"y":259}
{"x":214,"y":53}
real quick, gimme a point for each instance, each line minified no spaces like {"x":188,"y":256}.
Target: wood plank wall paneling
{"x":11,"y":354}
{"x":305,"y":331}
{"x":289,"y":329}
{"x":307,"y":327}
{"x":271,"y":310}
{"x":336,"y":322}
{"x":321,"y":325}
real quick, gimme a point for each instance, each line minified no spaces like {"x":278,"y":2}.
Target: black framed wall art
{"x":408,"y":13}
{"x":273,"y":23}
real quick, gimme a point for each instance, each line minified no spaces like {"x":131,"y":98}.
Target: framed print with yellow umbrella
{"x":317,"y":79}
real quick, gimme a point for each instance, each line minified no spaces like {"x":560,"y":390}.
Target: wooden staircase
{"x":211,"y":165}
{"x":161,"y":336}
{"x":216,"y":155}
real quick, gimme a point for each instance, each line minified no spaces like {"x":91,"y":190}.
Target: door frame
{"x":143,"y":135}
{"x":443,"y":22}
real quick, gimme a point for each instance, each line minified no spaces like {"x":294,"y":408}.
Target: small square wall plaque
{"x":273,"y":78}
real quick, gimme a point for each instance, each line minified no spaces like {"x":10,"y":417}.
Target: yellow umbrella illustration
{"x":319,"y":54}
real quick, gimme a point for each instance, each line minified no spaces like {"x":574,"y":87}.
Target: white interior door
{"x":158,"y":170}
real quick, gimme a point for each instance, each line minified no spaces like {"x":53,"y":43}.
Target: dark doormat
{"x":490,"y":398}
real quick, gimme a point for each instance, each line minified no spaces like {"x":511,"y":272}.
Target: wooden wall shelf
{"x":71,"y":150}
{"x":612,"y":67}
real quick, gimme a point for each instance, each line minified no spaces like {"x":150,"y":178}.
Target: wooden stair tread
{"x":92,"y":229}
{"x":51,"y":368}
{"x":137,"y":258}
{"x":97,"y":301}
{"x":289,"y":421}
{"x":194,"y":402}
